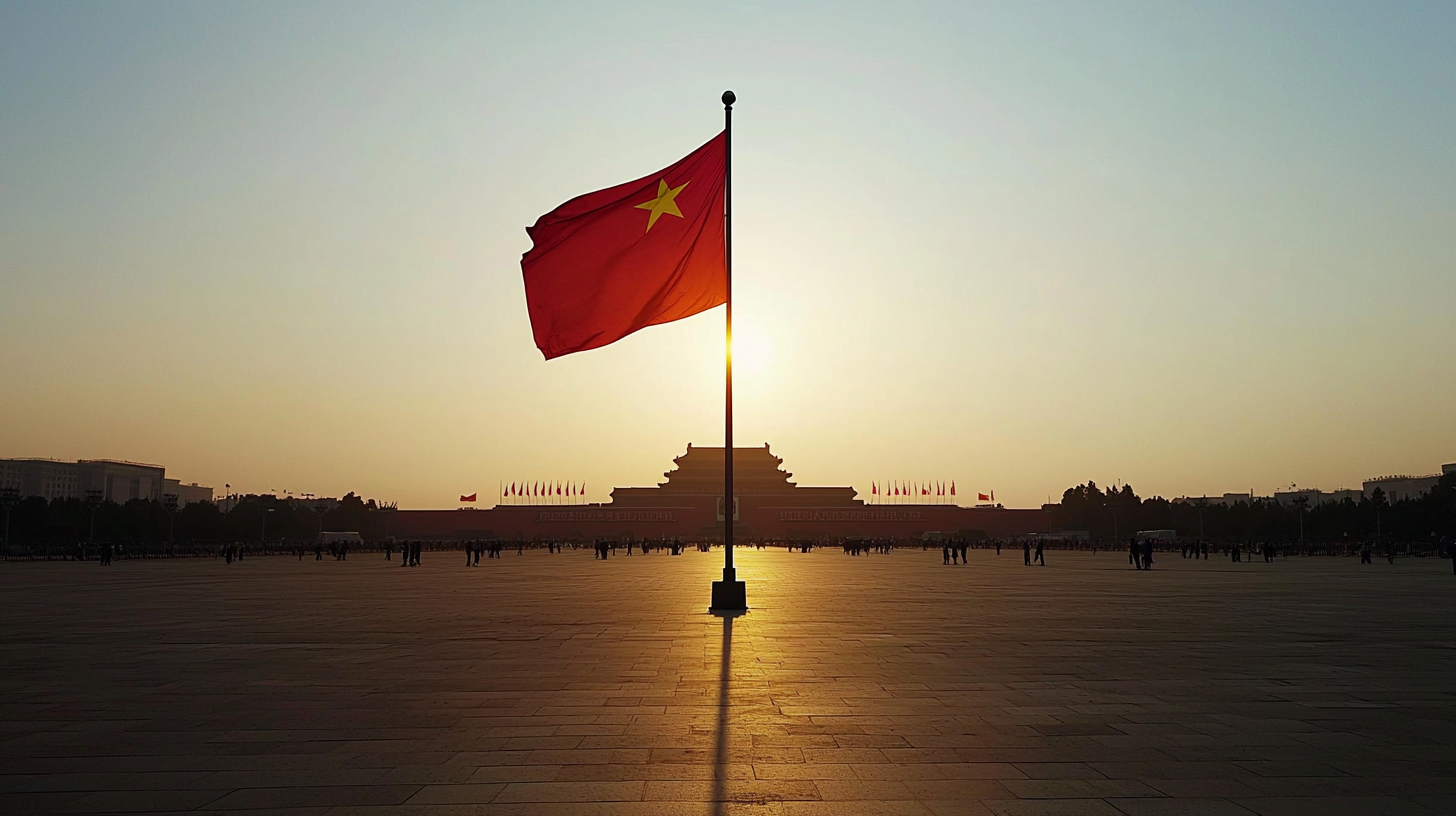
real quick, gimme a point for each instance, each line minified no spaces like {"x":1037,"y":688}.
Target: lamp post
{"x":1300,"y":502}
{"x":265,"y":527}
{"x":321,"y":508}
{"x":388,"y":509}
{"x":93,"y":503}
{"x":169,"y":501}
{"x":9,"y":497}
{"x":1200,"y":504}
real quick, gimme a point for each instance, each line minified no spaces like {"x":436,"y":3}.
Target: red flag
{"x":513,"y":488}
{"x":983,"y":497}
{"x":650,"y":251}
{"x":469,"y":498}
{"x":874,"y":489}
{"x":952,"y":487}
{"x":558,"y":488}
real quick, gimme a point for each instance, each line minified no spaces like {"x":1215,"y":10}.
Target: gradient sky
{"x":1196,"y":247}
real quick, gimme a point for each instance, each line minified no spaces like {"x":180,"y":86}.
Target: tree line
{"x":35,"y":520}
{"x":1117,"y":513}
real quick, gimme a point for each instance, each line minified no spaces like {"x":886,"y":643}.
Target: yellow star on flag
{"x":664,"y":202}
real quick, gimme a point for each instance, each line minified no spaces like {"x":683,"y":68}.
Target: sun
{"x":752,"y":351}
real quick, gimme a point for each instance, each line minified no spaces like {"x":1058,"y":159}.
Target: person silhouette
{"x":1026,"y":552}
{"x":1040,"y":552}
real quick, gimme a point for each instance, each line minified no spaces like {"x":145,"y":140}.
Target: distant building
{"x":1226,"y":500}
{"x":1316,"y":497}
{"x":46,"y":478}
{"x":186,"y":493}
{"x":114,"y":481}
{"x":689,"y":504}
{"x":1403,"y":488}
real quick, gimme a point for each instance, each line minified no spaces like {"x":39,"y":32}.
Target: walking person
{"x":1041,"y":552}
{"x":1026,"y":552}
{"x":1147,"y":553}
{"x":1134,"y":556}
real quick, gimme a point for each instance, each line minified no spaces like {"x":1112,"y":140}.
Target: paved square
{"x":881,"y":684}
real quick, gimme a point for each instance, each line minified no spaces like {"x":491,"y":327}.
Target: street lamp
{"x":93,"y":503}
{"x":9,"y":497}
{"x":388,"y":509}
{"x":169,"y":501}
{"x":1200,"y":504}
{"x":265,"y":527}
{"x":321,"y":508}
{"x":1300,"y":502}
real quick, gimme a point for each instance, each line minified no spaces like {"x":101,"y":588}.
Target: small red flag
{"x":469,"y":498}
{"x":608,"y":263}
{"x":983,"y":497}
{"x":952,"y":487}
{"x":874,"y":489}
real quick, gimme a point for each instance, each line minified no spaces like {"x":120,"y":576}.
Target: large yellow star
{"x":664,"y":202}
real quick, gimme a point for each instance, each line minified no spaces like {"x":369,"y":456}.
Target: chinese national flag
{"x":650,"y":251}
{"x":874,"y":488}
{"x":983,"y":497}
{"x":469,"y":498}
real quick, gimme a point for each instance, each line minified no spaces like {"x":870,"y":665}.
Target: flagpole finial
{"x":729,"y":98}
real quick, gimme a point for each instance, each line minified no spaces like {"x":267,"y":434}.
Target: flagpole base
{"x":729,"y":595}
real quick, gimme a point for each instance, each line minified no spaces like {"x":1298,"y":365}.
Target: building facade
{"x":689,"y":504}
{"x":114,"y":481}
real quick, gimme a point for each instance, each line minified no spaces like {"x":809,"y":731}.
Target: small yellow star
{"x":664,"y":202}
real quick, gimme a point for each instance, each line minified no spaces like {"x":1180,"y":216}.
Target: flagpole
{"x":729,"y":594}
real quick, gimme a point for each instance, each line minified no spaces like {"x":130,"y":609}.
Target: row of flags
{"x":549,"y":489}
{"x":897,"y":488}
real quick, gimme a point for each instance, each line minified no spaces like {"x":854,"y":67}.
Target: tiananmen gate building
{"x":689,"y":505}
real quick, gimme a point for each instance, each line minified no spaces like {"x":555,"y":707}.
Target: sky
{"x":1195,"y":247}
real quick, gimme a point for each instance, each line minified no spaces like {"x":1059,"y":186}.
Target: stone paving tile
{"x":555,"y":684}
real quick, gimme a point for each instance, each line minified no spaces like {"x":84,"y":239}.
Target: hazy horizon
{"x":1193,"y":248}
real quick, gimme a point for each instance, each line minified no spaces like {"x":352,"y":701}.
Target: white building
{"x":112,"y":480}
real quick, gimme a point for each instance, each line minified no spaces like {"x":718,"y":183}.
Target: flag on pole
{"x":952,"y":487}
{"x":469,"y":498}
{"x":983,"y":497}
{"x":606,"y":264}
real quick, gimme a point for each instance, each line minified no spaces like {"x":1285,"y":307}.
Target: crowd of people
{"x":955,"y":550}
